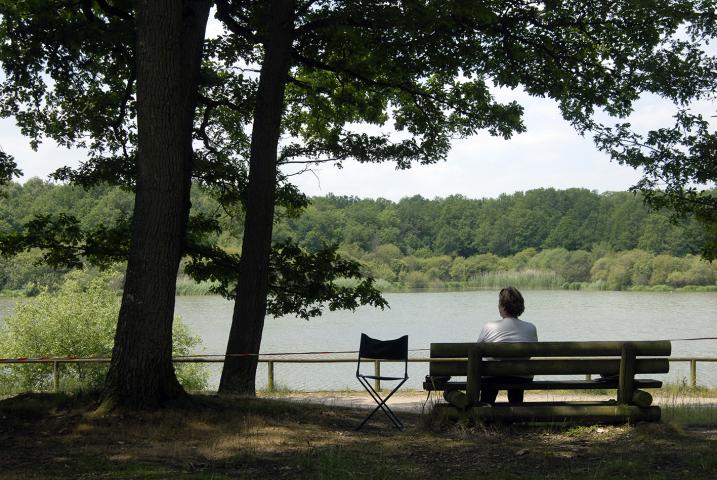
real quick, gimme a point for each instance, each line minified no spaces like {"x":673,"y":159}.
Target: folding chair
{"x":372,"y":349}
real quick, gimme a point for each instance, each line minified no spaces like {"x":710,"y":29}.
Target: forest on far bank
{"x":543,"y":238}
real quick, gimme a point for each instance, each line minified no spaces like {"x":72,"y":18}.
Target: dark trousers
{"x":488,"y":395}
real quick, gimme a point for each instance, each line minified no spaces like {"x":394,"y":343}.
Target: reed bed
{"x":530,"y":278}
{"x":187,"y":286}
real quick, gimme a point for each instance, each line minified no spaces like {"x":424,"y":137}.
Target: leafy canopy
{"x":369,"y":81}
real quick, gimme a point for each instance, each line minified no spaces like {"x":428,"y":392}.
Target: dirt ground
{"x":60,"y":437}
{"x":418,"y":401}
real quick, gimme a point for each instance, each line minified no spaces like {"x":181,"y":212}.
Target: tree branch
{"x":212,"y":103}
{"x":225,"y":14}
{"x":117,"y":127}
{"x":113,"y":11}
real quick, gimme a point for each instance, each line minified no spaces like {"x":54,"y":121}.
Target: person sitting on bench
{"x":509,"y":328}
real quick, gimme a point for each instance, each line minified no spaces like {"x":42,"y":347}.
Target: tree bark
{"x":239,"y":373}
{"x":170,"y":37}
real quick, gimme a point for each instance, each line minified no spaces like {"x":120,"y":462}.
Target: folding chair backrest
{"x":384,"y":349}
{"x":395,"y":351}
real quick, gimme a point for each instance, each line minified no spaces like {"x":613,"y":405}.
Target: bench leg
{"x":475,"y":371}
{"x":626,"y":384}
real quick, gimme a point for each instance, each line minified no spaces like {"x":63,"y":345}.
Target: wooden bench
{"x":616,"y":363}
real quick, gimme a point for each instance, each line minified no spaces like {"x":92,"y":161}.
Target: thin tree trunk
{"x":170,"y":36}
{"x":239,"y":372}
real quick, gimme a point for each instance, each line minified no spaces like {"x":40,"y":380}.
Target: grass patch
{"x":278,"y":390}
{"x":683,"y":389}
{"x":688,"y":406}
{"x":684,"y":414}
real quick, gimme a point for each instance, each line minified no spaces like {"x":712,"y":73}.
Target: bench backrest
{"x":516,"y":358}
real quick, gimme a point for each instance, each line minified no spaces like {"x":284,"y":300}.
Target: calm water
{"x":459,"y":316}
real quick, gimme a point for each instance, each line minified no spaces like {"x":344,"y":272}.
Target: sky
{"x":549,"y":154}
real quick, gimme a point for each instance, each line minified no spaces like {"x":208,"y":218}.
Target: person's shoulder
{"x":492,"y":325}
{"x":530,"y":326}
{"x":489,"y":329}
{"x":527,"y":323}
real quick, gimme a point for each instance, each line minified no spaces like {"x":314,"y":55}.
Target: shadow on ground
{"x":57,"y":436}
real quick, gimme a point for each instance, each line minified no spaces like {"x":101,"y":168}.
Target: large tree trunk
{"x":250,"y":306}
{"x":170,"y":36}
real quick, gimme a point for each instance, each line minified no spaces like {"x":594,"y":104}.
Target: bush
{"x":22,"y":274}
{"x":415,"y":280}
{"x":78,"y":320}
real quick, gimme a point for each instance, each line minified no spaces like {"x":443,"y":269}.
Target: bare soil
{"x":420,"y":402}
{"x":46,"y":436}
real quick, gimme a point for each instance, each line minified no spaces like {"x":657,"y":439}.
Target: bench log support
{"x":597,"y":413}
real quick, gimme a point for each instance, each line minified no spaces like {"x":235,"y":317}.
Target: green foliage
{"x":574,"y":219}
{"x":415,"y":257}
{"x":78,"y":320}
{"x":300,"y":282}
{"x":679,"y":162}
{"x":8,"y":168}
{"x":66,"y":222}
{"x":25,"y":274}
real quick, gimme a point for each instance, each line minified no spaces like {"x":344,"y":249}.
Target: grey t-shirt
{"x":508,"y":330}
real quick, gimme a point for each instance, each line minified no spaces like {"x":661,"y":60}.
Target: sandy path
{"x":414,"y":400}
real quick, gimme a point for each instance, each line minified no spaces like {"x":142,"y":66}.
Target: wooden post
{"x":475,"y":370}
{"x":377,"y":373}
{"x":588,"y":376}
{"x":693,"y":373}
{"x":56,"y":376}
{"x":270,"y":373}
{"x":626,"y":384}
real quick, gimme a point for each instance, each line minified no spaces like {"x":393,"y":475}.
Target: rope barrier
{"x":269,"y":354}
{"x":691,"y":339}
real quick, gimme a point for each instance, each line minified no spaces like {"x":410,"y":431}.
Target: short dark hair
{"x":512,"y":301}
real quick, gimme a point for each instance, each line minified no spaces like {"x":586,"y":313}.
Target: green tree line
{"x":573,"y":219}
{"x":539,"y":238}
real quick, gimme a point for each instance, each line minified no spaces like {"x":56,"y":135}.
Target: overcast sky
{"x":549,"y":154}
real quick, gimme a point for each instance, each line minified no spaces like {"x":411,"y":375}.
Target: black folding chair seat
{"x":372,"y":349}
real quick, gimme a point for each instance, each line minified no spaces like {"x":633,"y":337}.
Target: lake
{"x":458,"y":316}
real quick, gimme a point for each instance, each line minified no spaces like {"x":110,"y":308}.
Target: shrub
{"x":22,"y":274}
{"x":663,"y":266}
{"x":78,"y":320}
{"x":485,"y":262}
{"x":415,"y":280}
{"x":386,"y":253}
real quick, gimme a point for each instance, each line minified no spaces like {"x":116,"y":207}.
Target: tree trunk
{"x":239,"y":372}
{"x":170,"y":36}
